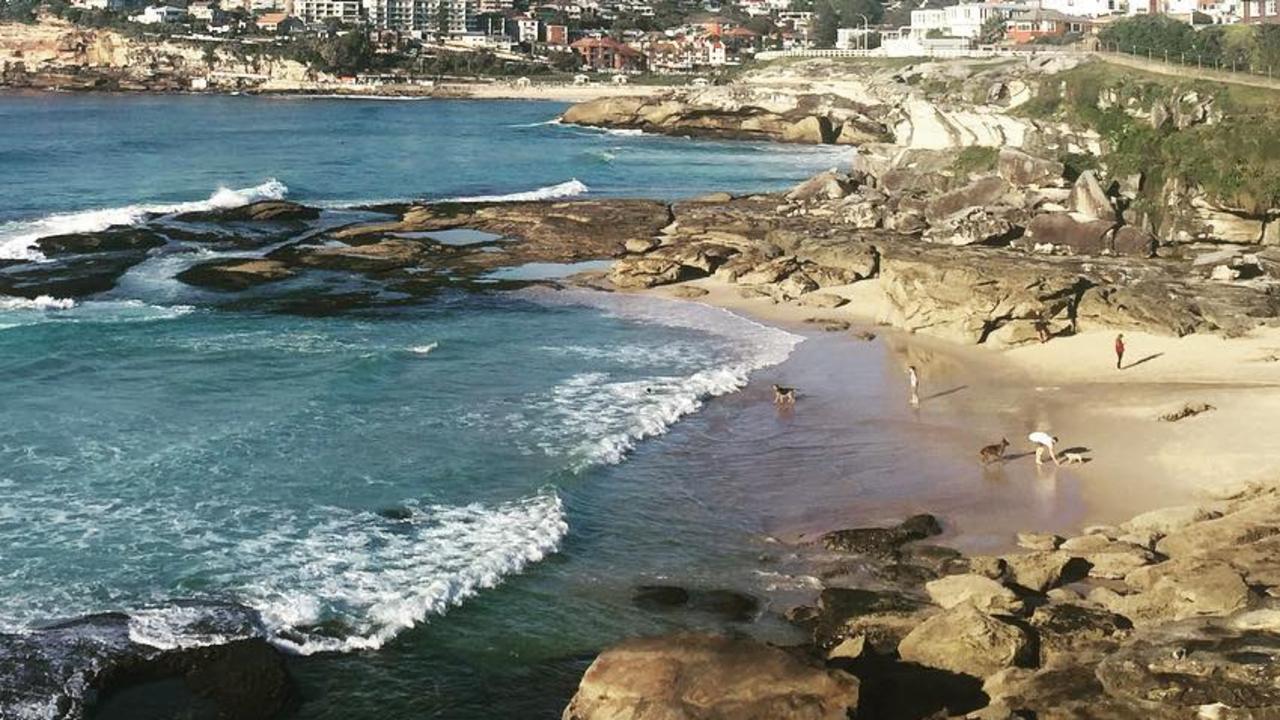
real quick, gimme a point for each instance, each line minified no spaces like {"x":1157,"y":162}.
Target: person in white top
{"x":1044,"y":441}
{"x":914,"y":378}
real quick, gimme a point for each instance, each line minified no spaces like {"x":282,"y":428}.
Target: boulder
{"x":823,"y":300}
{"x":640,"y":245}
{"x":974,"y":226}
{"x":645,"y":272}
{"x":1082,"y":236}
{"x":236,"y":274}
{"x":214,"y":661}
{"x":701,"y":677}
{"x":983,"y":593}
{"x":1044,"y":570}
{"x":114,"y":238}
{"x":262,"y":211}
{"x":1022,"y":170}
{"x":967,"y":641}
{"x":1169,"y":520}
{"x":1039,"y":541}
{"x":1072,"y":629}
{"x":881,"y":542}
{"x":1177,"y":590}
{"x":1183,"y":668}
{"x":983,"y":192}
{"x":1090,"y":199}
{"x":770,"y":272}
{"x":879,"y":619}
{"x":829,"y":185}
{"x":1133,"y":241}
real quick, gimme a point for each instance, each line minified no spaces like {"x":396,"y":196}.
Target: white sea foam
{"x":169,"y":627}
{"x":424,"y":349}
{"x":602,"y":418}
{"x":566,"y":189}
{"x":543,"y":123}
{"x":43,"y":302}
{"x":17,"y":238}
{"x":356,"y":580}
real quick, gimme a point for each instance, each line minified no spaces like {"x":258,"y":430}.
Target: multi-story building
{"x":1030,"y":24}
{"x":523,"y":29}
{"x":157,"y":14}
{"x":313,"y":11}
{"x":1260,"y":11}
{"x":440,"y":17}
{"x":1081,"y":8}
{"x":557,"y":35}
{"x":494,"y":7}
{"x":608,"y":54}
{"x":960,"y":21}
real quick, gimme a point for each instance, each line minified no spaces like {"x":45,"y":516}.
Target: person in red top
{"x":1119,"y":350}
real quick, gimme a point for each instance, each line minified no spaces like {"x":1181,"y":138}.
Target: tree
{"x":992,"y":30}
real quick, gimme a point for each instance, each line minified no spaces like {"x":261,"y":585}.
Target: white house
{"x":961,"y":21}
{"x":156,"y":14}
{"x":1082,"y":8}
{"x":851,"y":38}
{"x":100,"y":4}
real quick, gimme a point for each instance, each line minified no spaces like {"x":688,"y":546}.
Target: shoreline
{"x":565,"y":93}
{"x":1136,"y":462}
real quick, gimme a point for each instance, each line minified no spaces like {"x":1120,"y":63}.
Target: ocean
{"x":440,"y":511}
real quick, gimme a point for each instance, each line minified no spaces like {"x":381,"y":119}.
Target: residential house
{"x":277,"y":22}
{"x":1259,"y":11}
{"x":1082,"y":8}
{"x":524,"y":29}
{"x":204,"y":10}
{"x":1027,"y":25}
{"x":557,"y":35}
{"x":100,"y":4}
{"x":957,"y":21}
{"x":607,"y":54}
{"x":157,"y":14}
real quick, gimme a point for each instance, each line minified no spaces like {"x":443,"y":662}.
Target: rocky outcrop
{"x":736,"y":113}
{"x":210,"y":659}
{"x":235,"y":275}
{"x":700,"y":677}
{"x":1189,"y":631}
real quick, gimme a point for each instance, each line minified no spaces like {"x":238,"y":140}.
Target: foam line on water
{"x":357,"y":580}
{"x":609,"y":416}
{"x":17,"y":238}
{"x":569,"y":188}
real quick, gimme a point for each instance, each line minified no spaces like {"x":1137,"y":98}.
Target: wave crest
{"x":17,"y":239}
{"x":566,"y":189}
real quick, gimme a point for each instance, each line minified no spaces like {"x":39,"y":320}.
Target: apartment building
{"x":313,"y":11}
{"x":423,"y":16}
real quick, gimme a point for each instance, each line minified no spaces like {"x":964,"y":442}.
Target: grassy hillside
{"x":1234,"y":155}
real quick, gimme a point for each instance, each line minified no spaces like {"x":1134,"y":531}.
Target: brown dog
{"x":993,"y":453}
{"x":783,"y":395}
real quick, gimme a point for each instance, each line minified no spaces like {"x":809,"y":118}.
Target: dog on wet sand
{"x":784,"y":395}
{"x":993,"y":453}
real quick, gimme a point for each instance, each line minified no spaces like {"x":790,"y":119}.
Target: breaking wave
{"x":570,"y":188}
{"x":17,"y":238}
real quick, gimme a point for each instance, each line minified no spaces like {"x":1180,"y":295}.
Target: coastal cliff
{"x":56,"y":55}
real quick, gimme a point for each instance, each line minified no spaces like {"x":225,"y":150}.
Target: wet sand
{"x":973,"y":396}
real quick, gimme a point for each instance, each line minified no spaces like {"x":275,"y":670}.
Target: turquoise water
{"x":438,"y":510}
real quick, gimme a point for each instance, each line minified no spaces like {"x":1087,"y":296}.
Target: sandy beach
{"x":972,"y":396}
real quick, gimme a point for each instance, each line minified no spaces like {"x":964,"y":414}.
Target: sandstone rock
{"x":114,"y":238}
{"x":1117,"y":560}
{"x":1044,"y":570}
{"x":1023,"y":170}
{"x":1088,"y":198}
{"x":70,"y":276}
{"x":701,"y":677}
{"x":770,"y":272}
{"x":646,"y":273}
{"x":1133,"y":241}
{"x":640,"y":245}
{"x":1180,"y":669}
{"x":1066,"y":629}
{"x":1180,"y":589}
{"x":829,"y":185}
{"x":1082,"y":236}
{"x":795,"y":285}
{"x":882,"y":541}
{"x":965,"y":640}
{"x":688,"y":292}
{"x":235,"y":275}
{"x":879,"y":619}
{"x":262,"y":211}
{"x":823,"y":300}
{"x":983,"y":593}
{"x":1171,"y":519}
{"x":983,"y":192}
{"x":1039,"y":541}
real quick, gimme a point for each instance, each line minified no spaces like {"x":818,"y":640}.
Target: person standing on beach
{"x":1119,"y":351}
{"x":1044,"y":441}
{"x":913,"y":377}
